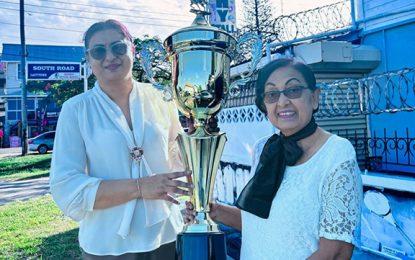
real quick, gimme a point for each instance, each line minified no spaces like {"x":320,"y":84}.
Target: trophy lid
{"x":200,"y":35}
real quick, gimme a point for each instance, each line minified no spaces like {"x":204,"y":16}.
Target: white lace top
{"x":319,"y":198}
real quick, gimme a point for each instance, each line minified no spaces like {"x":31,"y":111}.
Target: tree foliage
{"x":258,"y":17}
{"x":59,"y":91}
{"x":161,"y":71}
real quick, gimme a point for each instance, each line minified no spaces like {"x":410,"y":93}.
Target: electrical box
{"x":324,"y":51}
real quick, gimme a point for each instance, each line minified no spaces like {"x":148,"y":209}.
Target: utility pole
{"x":85,"y":75}
{"x":23,"y":78}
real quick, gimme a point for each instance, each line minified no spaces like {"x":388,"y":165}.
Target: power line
{"x":36,"y":39}
{"x":90,"y":18}
{"x":42,"y":27}
{"x":93,"y":12}
{"x":113,"y":8}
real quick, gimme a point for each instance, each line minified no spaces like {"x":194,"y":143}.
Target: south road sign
{"x":53,"y":71}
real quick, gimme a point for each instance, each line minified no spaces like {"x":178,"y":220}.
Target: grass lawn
{"x":37,"y":229}
{"x":30,"y":166}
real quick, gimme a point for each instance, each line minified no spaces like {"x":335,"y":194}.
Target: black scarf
{"x":279,"y":151}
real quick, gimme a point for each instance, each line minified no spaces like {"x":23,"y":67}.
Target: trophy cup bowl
{"x":200,"y":58}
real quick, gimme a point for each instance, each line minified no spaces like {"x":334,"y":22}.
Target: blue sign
{"x":223,"y":14}
{"x":53,"y":71}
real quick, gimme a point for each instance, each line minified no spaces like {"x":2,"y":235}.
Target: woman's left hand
{"x":163,"y":186}
{"x":189,"y":213}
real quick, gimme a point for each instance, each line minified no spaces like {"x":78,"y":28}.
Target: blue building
{"x":362,"y":54}
{"x":390,"y":27}
{"x":39,"y":112}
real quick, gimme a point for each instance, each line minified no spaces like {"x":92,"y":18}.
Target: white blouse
{"x":319,"y":198}
{"x":93,"y":143}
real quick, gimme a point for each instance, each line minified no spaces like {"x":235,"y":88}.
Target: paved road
{"x":23,"y":190}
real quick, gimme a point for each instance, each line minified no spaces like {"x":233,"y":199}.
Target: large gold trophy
{"x":200,"y":57}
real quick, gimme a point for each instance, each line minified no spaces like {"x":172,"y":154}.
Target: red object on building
{"x":47,"y":87}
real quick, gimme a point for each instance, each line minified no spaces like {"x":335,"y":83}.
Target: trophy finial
{"x":200,"y":8}
{"x":199,"y":4}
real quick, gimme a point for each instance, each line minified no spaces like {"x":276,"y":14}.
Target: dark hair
{"x":106,"y":25}
{"x":266,"y":71}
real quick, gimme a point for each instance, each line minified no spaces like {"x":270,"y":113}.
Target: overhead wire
{"x":115,"y":8}
{"x":94,"y":12}
{"x":91,"y":18}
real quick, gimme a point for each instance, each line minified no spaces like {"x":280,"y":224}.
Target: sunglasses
{"x":100,"y":52}
{"x":291,"y":93}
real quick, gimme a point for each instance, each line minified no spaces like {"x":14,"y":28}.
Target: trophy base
{"x":201,"y":246}
{"x":202,"y":224}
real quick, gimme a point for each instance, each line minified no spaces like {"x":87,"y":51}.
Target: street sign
{"x":53,"y":71}
{"x":223,"y":14}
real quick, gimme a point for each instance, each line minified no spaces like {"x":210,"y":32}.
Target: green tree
{"x":259,"y":17}
{"x":59,"y":91}
{"x":162,"y":72}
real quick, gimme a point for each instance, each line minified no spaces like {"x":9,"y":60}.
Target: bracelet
{"x":140,"y":195}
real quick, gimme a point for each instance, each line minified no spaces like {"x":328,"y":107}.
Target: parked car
{"x":42,"y":143}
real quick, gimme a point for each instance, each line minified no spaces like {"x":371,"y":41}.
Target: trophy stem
{"x":201,"y":154}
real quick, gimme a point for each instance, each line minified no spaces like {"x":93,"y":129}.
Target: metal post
{"x":85,"y":76}
{"x":353,"y":14}
{"x":23,"y":78}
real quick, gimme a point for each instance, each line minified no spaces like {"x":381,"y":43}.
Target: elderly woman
{"x":115,"y":166}
{"x":305,"y":196}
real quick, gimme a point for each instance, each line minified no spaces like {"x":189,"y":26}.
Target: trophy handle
{"x":256,"y":55}
{"x":147,"y":54}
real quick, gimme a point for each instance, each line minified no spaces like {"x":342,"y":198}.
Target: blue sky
{"x":63,"y":21}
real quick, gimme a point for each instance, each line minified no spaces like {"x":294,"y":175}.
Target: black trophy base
{"x":201,"y":246}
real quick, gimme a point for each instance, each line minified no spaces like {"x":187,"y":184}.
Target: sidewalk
{"x":10,"y":152}
{"x":23,"y":190}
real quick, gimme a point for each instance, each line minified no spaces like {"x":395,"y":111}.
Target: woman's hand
{"x":190,"y":213}
{"x":164,"y":186}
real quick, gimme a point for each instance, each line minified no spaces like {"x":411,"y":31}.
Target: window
{"x":14,"y":109}
{"x":30,"y":104}
{"x":49,"y":136}
{"x":31,"y":115}
{"x":14,"y":104}
{"x":19,"y":68}
{"x":11,"y":115}
{"x":14,"y":115}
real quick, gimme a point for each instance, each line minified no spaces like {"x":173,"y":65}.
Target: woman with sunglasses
{"x":115,"y":166}
{"x":304,"y":199}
